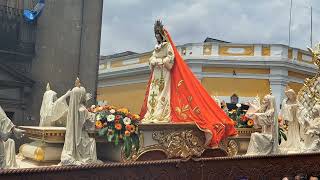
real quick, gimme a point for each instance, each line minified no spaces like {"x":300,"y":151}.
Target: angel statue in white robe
{"x":265,"y":142}
{"x":78,"y":147}
{"x":53,"y":111}
{"x":288,"y":114}
{"x":7,"y":145}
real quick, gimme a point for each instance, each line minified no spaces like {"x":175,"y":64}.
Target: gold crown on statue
{"x":77,"y":83}
{"x":315,"y":54}
{"x":158,"y":27}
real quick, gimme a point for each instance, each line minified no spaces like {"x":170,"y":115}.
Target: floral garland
{"x":118,"y":125}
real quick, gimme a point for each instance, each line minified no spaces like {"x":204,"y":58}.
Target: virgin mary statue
{"x":175,"y":95}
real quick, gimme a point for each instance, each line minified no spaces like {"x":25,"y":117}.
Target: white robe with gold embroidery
{"x":158,"y":104}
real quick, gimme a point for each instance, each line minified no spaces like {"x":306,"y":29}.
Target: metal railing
{"x":16,"y":35}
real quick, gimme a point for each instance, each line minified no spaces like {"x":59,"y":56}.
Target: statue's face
{"x":290,"y":96}
{"x":158,"y":37}
{"x":264,"y":104}
{"x":265,"y":100}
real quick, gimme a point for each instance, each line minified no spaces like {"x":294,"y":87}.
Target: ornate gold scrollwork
{"x":181,"y":144}
{"x":315,"y":54}
{"x":174,"y":144}
{"x":232,"y":148}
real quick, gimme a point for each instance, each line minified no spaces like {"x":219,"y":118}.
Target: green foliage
{"x":281,"y":135}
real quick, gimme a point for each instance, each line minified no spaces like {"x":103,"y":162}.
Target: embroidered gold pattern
{"x":153,"y":101}
{"x":183,"y":108}
{"x":161,"y":82}
{"x":219,"y":127}
{"x":196,"y":110}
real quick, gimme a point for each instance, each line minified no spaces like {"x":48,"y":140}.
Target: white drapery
{"x":53,"y":111}
{"x":265,"y":142}
{"x":78,"y":147}
{"x":49,"y":97}
{"x":7,"y":148}
{"x":289,"y":114}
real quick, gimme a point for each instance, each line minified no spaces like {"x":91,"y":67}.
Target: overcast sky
{"x":128,"y":24}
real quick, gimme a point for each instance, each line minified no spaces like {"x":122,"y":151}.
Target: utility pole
{"x":311,"y":26}
{"x":289,"y":43}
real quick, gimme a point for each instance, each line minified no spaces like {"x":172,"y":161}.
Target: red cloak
{"x":190,"y":102}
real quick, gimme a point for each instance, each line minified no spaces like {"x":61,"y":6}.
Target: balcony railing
{"x":16,"y":35}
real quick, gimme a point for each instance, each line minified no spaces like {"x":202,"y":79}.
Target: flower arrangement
{"x":238,"y":116}
{"x":118,"y":124}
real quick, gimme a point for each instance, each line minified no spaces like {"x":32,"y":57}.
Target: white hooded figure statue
{"x":7,"y":145}
{"x":49,"y":97}
{"x":78,"y":147}
{"x":53,"y":111}
{"x":266,"y":142}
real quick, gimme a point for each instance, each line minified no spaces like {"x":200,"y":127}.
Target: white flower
{"x":126,"y":120}
{"x":112,"y":111}
{"x":110,"y":118}
{"x":98,"y":117}
{"x":238,"y":105}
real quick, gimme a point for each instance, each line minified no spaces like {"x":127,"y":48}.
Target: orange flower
{"x":118,"y":126}
{"x":244,"y":118}
{"x":100,"y":108}
{"x":99,"y":124}
{"x":250,"y":122}
{"x":127,"y":133}
{"x":124,"y":110}
{"x":112,"y":107}
{"x":136,"y":116}
{"x":130,"y":128}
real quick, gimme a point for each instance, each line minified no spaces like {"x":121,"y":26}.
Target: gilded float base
{"x":162,"y":141}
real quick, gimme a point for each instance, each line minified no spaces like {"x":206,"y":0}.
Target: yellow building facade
{"x":224,"y":69}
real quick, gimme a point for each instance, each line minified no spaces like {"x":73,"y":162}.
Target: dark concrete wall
{"x":67,"y":46}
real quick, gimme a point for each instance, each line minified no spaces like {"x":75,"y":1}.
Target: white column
{"x":278,"y":82}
